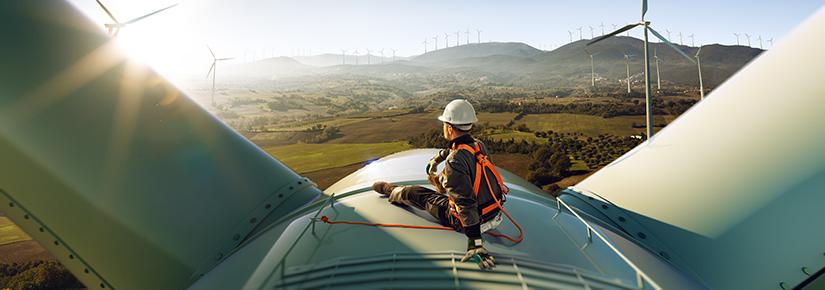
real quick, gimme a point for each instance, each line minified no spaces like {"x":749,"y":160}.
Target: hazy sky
{"x":175,"y":41}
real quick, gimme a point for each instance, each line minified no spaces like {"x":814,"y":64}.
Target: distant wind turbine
{"x":699,"y":66}
{"x":467,"y":34}
{"x":356,"y":56}
{"x":458,"y":38}
{"x":592,"y":68}
{"x":213,"y":70}
{"x":680,"y":39}
{"x":658,"y":75}
{"x":425,"y":44}
{"x":668,"y":34}
{"x":369,"y":56}
{"x":571,"y":35}
{"x":692,"y":43}
{"x":446,"y":40}
{"x":602,"y":26}
{"x":646,"y":28}
{"x":435,"y":39}
{"x":382,"y":55}
{"x":627,"y":65}
{"x":748,"y":36}
{"x":580,"y":32}
{"x":737,"y":38}
{"x":343,"y":56}
{"x":114,"y":28}
{"x":591,"y":32}
{"x":478,"y":35}
{"x":393,"y":54}
{"x":771,"y":42}
{"x":760,"y":41}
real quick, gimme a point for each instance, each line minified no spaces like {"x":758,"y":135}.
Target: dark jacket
{"x":457,"y":179}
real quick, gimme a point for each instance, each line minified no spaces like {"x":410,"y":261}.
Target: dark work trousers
{"x":438,"y":205}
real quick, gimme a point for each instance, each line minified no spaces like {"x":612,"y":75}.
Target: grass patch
{"x":589,"y":125}
{"x":495,"y":119}
{"x":10,"y":233}
{"x":311,"y":157}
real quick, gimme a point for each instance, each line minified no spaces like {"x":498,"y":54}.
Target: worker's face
{"x":446,"y":130}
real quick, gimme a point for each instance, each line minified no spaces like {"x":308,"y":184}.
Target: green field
{"x":10,"y":233}
{"x":312,"y":157}
{"x":589,"y":125}
{"x":495,"y":118}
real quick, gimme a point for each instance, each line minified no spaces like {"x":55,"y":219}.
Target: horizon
{"x":245,"y":30}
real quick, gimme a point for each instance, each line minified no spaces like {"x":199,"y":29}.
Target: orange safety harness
{"x":482,"y":165}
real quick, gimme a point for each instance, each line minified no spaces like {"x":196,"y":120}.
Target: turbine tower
{"x":467,"y":34}
{"x":114,"y":28}
{"x":571,"y":35}
{"x":435,"y":41}
{"x":646,"y":28}
{"x":592,"y":68}
{"x":748,"y":36}
{"x":369,"y":56}
{"x":580,"y":32}
{"x":425,"y":44}
{"x":478,"y":35}
{"x":771,"y":42}
{"x":591,"y":32}
{"x":446,"y":40}
{"x":627,"y":65}
{"x":382,"y":55}
{"x":680,"y":39}
{"x":737,"y":38}
{"x":668,"y":34}
{"x":760,"y":41}
{"x":393,"y":54}
{"x":343,"y":56}
{"x":356,"y":56}
{"x":602,"y":26}
{"x":658,"y":75}
{"x":699,"y":66}
{"x":458,"y":38}
{"x":213,"y":70}
{"x":692,"y":43}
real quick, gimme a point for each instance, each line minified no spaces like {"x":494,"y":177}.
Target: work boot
{"x":382,"y":187}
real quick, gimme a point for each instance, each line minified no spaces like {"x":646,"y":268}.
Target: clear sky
{"x":175,"y":41}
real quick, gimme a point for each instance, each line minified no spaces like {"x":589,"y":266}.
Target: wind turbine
{"x":737,"y":38}
{"x":467,"y":34}
{"x":478,"y":35}
{"x":680,"y":39}
{"x":658,"y":76}
{"x":343,"y":56}
{"x":458,"y":38}
{"x":646,"y":28}
{"x":748,"y":36}
{"x":760,"y":41}
{"x":591,"y":32}
{"x":114,"y":28}
{"x":356,"y":56}
{"x":435,"y":39}
{"x":771,"y":42}
{"x":592,"y":68}
{"x":699,"y":66}
{"x":668,"y":33}
{"x":627,"y":65}
{"x":393,"y":54}
{"x":425,"y":44}
{"x":580,"y":32}
{"x":692,"y":43}
{"x":369,"y":56}
{"x":213,"y":70}
{"x":602,"y":26}
{"x":446,"y":40}
{"x":382,"y":55}
{"x":571,"y":35}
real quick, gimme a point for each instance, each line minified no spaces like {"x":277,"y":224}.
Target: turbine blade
{"x":210,"y":51}
{"x":644,"y":8}
{"x":150,"y":14}
{"x":226,"y":58}
{"x":623,"y":29}
{"x":670,"y":44}
{"x":210,"y":70}
{"x":107,"y":11}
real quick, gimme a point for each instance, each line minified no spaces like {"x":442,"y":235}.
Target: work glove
{"x":476,"y":253}
{"x":432,"y":166}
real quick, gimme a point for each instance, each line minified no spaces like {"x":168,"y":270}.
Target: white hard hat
{"x":459,"y":113}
